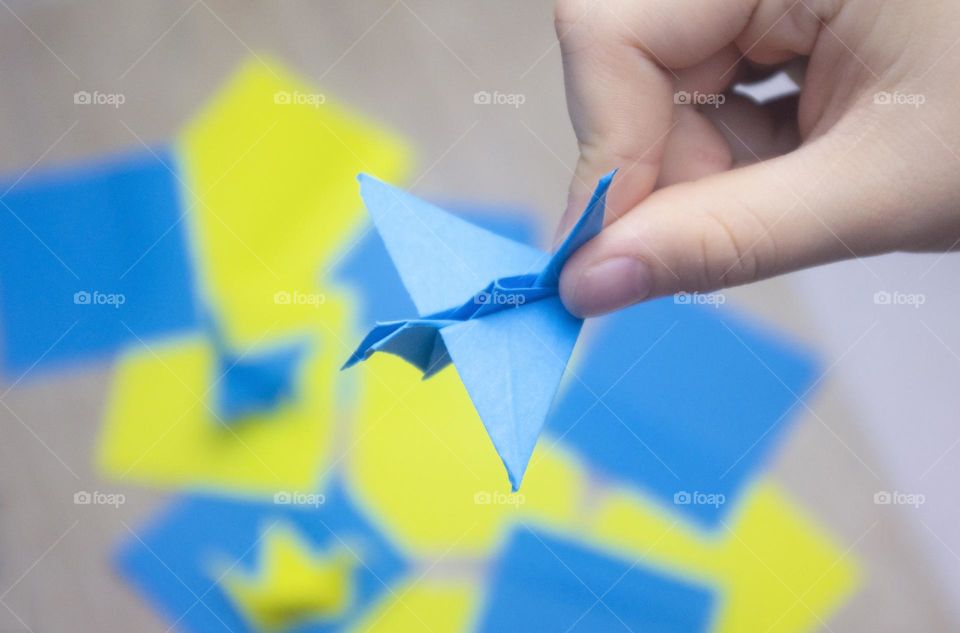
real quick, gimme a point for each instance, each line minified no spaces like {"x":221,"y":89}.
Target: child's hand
{"x":871,"y":163}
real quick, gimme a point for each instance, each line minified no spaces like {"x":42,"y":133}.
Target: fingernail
{"x":609,"y":285}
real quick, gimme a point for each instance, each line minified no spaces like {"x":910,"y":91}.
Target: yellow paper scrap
{"x":775,"y":568}
{"x":293,"y":584}
{"x":423,"y":606}
{"x":425,"y":467}
{"x":161,"y":427}
{"x":270,"y":166}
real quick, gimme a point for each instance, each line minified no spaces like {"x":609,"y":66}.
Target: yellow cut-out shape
{"x":775,"y":569}
{"x":292,"y":583}
{"x":423,"y":606}
{"x":422,"y":461}
{"x":271,"y":192}
{"x":270,"y":167}
{"x":161,"y":429}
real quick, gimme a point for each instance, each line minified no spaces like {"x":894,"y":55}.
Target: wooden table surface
{"x":413,"y":65}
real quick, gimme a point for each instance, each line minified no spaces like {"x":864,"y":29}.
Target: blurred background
{"x":880,"y":426}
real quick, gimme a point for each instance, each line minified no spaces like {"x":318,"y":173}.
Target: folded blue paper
{"x":255,"y":381}
{"x":544,"y":583}
{"x":488,"y":304}
{"x":93,"y":258}
{"x":684,"y":401}
{"x":180,"y":560}
{"x":368,"y":271}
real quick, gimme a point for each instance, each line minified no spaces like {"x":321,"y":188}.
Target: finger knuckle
{"x":567,"y":13}
{"x":738,"y":246}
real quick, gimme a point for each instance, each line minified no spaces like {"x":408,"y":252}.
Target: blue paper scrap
{"x":488,"y":304}
{"x":684,"y":401}
{"x":544,"y":583}
{"x":174,"y":561}
{"x":255,"y":381}
{"x":94,"y":259}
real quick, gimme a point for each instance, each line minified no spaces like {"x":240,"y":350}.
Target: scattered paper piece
{"x":292,"y":583}
{"x":94,"y":259}
{"x":270,"y":179}
{"x":424,"y":605}
{"x":269,"y":183}
{"x":447,"y":492}
{"x":255,"y":381}
{"x":546,"y":583}
{"x":162,"y":425}
{"x":206,"y":548}
{"x":775,"y":568}
{"x":686,"y":402}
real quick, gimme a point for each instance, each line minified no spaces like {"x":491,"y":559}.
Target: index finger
{"x":620,"y":60}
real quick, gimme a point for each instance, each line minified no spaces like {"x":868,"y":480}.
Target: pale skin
{"x":708,"y":197}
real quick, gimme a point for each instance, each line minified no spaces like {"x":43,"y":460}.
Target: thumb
{"x":817,"y":204}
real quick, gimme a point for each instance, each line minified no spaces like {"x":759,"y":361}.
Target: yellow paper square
{"x":423,"y":606}
{"x":774,"y":568}
{"x":160,"y":426}
{"x":271,"y":179}
{"x":423,"y":463}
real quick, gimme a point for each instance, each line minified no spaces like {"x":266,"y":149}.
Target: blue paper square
{"x":171,"y":560}
{"x":94,"y":258}
{"x":544,"y":583}
{"x":684,"y":401}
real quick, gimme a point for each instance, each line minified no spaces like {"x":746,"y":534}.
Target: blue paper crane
{"x":510,"y":341}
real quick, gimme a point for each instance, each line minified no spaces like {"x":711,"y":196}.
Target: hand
{"x":867,"y":161}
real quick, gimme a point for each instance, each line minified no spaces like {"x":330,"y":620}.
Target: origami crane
{"x":488,"y":304}
{"x":293,"y":583}
{"x":255,"y":381}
